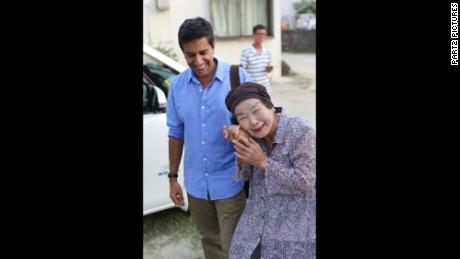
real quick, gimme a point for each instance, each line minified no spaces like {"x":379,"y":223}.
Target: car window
{"x":160,"y":74}
{"x":150,"y":101}
{"x":145,"y":96}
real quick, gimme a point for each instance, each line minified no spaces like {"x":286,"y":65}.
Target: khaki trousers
{"x":216,"y":221}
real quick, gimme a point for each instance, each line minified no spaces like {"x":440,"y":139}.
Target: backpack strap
{"x":234,"y":76}
{"x":235,"y":82}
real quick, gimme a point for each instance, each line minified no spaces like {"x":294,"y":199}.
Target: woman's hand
{"x":250,"y":152}
{"x":230,"y":132}
{"x":235,"y":132}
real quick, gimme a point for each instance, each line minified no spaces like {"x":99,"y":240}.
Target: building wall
{"x":299,"y":41}
{"x":288,"y":13}
{"x":161,"y":27}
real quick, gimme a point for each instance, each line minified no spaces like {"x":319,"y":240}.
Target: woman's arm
{"x":244,"y":172}
{"x":300,"y":176}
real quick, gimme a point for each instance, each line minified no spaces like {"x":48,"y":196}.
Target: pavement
{"x":296,"y":93}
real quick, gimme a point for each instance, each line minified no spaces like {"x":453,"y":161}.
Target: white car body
{"x":155,"y":147}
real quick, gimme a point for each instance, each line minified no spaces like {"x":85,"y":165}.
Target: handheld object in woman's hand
{"x":235,"y":132}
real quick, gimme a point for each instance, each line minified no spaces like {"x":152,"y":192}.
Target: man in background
{"x":256,"y":59}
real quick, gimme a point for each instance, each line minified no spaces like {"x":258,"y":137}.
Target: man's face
{"x":259,"y":36}
{"x":199,"y":56}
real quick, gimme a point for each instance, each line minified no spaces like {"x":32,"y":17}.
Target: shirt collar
{"x":254,"y":50}
{"x":219,"y":74}
{"x":281,"y":131}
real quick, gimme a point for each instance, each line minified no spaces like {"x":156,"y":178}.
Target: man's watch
{"x":173,"y":175}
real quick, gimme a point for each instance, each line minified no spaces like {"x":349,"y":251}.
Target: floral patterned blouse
{"x":280,"y":213}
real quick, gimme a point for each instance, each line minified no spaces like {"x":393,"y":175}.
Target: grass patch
{"x":167,"y":226}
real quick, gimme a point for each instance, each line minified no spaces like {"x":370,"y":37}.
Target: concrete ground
{"x":171,"y":234}
{"x":297,"y":93}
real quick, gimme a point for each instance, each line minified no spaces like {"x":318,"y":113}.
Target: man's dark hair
{"x":194,"y":29}
{"x":258,"y":27}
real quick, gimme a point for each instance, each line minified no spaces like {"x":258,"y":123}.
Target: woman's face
{"x":255,"y":117}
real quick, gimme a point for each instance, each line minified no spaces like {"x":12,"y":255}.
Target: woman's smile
{"x":258,"y":129}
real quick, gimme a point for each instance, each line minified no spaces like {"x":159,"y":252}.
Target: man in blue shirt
{"x":196,"y":115}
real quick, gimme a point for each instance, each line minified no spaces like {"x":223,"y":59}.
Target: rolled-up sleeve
{"x":173,"y":121}
{"x":298,"y":175}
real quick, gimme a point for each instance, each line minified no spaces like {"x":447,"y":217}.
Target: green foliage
{"x":305,"y":6}
{"x":168,"y":52}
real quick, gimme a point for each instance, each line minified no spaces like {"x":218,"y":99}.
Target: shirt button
{"x":202,"y":107}
{"x":203,"y":142}
{"x":201,"y":90}
{"x":204,"y":158}
{"x":202,"y":125}
{"x":206,"y":174}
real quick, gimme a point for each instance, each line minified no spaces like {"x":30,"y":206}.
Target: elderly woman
{"x":278,"y":157}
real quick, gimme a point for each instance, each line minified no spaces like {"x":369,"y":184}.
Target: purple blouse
{"x":280,"y":212}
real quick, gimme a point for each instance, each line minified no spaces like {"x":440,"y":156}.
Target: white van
{"x":156,"y":159}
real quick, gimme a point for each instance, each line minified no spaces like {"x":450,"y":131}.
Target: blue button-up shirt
{"x":197,"y":116}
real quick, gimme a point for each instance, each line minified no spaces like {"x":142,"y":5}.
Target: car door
{"x":155,"y":152}
{"x":158,"y":69}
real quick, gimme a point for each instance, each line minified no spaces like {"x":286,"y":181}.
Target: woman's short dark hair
{"x":194,"y":29}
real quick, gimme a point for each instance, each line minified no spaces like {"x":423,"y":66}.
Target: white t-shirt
{"x":256,"y":64}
